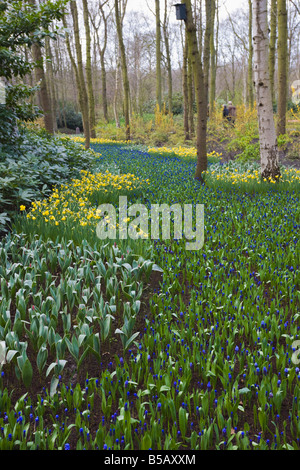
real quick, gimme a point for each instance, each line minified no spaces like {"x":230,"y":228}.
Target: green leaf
{"x":53,"y":385}
{"x":27,"y":373}
{"x":183,"y":416}
{"x":52,"y":365}
{"x":164,"y":388}
{"x":10,"y":355}
{"x":155,"y":267}
{"x":146,"y":442}
{"x":244,"y":390}
{"x":131,"y":339}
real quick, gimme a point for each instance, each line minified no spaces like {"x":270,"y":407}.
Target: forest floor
{"x":284,"y":153}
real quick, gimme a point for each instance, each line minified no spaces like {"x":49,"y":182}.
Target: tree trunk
{"x":191,"y":94}
{"x":272,"y":53}
{"x":213,"y":64}
{"x":90,"y":91}
{"x":40,"y":77}
{"x":51,"y":82}
{"x":250,"y":97}
{"x":104,"y":88}
{"x":103,"y":68}
{"x":206,"y":49}
{"x":117,"y":118}
{"x":169,"y":62}
{"x":201,"y":95}
{"x":102,"y":58}
{"x":185,"y":91}
{"x":124,"y":69}
{"x":282,"y":66}
{"x":267,"y":133}
{"x":79,"y":75}
{"x":158,"y":56}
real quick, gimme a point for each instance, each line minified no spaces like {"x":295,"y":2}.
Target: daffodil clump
{"x":76,"y":204}
{"x":236,"y":175}
{"x":81,"y":140}
{"x":184,"y":152}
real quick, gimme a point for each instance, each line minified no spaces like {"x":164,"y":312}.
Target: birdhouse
{"x":181,"y":11}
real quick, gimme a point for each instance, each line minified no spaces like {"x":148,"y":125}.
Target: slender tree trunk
{"x":124,"y":69}
{"x":43,"y":91}
{"x":250,"y":97}
{"x":79,"y":75}
{"x":213,"y":64}
{"x":272,"y":53}
{"x":282,"y":66}
{"x":200,"y":33}
{"x":185,"y":91}
{"x":267,"y":133}
{"x":191,"y":94}
{"x":103,"y":68}
{"x":102,"y":58}
{"x":51,"y":83}
{"x":158,"y":56}
{"x":206,"y":50}
{"x":90,"y":91}
{"x":40,"y":77}
{"x":116,"y":113}
{"x":169,"y":62}
{"x":201,"y":95}
{"x":104,"y":88}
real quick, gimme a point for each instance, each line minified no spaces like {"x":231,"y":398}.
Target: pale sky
{"x":141,"y":5}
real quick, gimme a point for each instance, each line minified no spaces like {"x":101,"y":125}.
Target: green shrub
{"x":68,"y":117}
{"x":283,"y":140}
{"x":32,"y":168}
{"x":251,"y":152}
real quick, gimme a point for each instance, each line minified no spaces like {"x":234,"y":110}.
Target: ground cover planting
{"x":98,"y":140}
{"x":184,"y":152}
{"x":30,"y":170}
{"x":105,"y":351}
{"x":73,"y":209}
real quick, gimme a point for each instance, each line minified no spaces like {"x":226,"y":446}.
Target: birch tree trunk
{"x":267,"y":132}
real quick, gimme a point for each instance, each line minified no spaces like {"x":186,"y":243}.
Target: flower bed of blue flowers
{"x":210,"y":357}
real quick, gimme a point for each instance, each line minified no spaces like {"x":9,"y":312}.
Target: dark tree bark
{"x":201,"y":93}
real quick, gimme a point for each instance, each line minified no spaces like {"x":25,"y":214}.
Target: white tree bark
{"x":267,"y":133}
